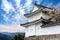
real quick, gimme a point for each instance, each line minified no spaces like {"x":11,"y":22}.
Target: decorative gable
{"x":35,"y":8}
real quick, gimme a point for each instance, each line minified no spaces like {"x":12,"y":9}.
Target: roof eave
{"x":31,"y":23}
{"x":38,"y":10}
{"x":34,"y":22}
{"x":35,"y":12}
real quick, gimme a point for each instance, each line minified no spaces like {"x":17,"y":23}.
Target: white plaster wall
{"x":32,"y":18}
{"x":45,"y":16}
{"x":30,"y":30}
{"x":38,"y":28}
{"x":38,"y":16}
{"x":42,"y":31}
{"x":48,"y":30}
{"x":34,"y":9}
{"x":35,"y":17}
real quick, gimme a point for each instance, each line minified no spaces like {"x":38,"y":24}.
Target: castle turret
{"x":40,"y":21}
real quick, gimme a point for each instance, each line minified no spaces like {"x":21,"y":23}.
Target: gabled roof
{"x":39,"y":10}
{"x":50,"y":24}
{"x":45,"y":23}
{"x":31,"y":23}
{"x":39,"y":6}
{"x":34,"y":22}
{"x":32,"y":13}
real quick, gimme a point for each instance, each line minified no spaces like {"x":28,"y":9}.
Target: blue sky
{"x":12,"y":11}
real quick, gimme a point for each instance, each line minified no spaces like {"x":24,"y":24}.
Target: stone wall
{"x":44,"y":37}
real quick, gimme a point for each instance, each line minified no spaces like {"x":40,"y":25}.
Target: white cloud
{"x":50,"y":5}
{"x":39,"y":1}
{"x":58,"y":5}
{"x":14,"y":19}
{"x":5,"y":17}
{"x":19,"y":11}
{"x":18,"y":2}
{"x":11,"y":28}
{"x":22,"y":11}
{"x":28,"y":2}
{"x":28,"y":5}
{"x":7,"y":6}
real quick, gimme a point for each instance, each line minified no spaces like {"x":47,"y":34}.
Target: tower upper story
{"x":38,"y":12}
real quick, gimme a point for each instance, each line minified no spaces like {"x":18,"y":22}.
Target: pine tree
{"x":18,"y":37}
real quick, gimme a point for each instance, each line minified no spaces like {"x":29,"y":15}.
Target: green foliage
{"x":18,"y":37}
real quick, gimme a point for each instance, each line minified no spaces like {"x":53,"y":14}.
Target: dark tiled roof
{"x":34,"y":22}
{"x":39,"y":6}
{"x":30,"y":23}
{"x":50,"y":24}
{"x":32,"y":13}
{"x":39,"y":10}
{"x":45,"y":23}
